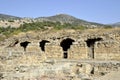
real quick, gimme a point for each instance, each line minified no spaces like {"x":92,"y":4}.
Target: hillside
{"x":116,"y":24}
{"x":8,"y":17}
{"x":65,"y":18}
{"x":13,"y":21}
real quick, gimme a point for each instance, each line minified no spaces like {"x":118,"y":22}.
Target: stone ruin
{"x":72,"y":45}
{"x":33,"y":48}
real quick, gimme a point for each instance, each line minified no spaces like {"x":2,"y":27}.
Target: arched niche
{"x":24,"y":44}
{"x":42,"y":44}
{"x":90,"y":44}
{"x":65,"y":44}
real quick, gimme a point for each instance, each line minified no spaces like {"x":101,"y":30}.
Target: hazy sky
{"x":101,"y":11}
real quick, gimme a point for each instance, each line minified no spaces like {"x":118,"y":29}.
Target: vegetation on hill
{"x":56,"y":22}
{"x":35,"y":26}
{"x":64,"y":18}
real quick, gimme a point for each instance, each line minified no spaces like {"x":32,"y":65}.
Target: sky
{"x":100,"y":11}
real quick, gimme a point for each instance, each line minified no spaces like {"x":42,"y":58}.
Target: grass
{"x":45,"y":25}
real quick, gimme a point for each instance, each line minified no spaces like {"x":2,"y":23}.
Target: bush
{"x":10,"y":20}
{"x":35,"y":26}
{"x":108,"y":27}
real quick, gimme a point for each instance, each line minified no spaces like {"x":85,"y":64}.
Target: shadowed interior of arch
{"x":24,"y":44}
{"x":42,"y":44}
{"x":65,"y":44}
{"x":90,"y":44}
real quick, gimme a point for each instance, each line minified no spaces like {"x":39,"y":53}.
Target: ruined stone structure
{"x":70,"y":44}
{"x":61,"y":53}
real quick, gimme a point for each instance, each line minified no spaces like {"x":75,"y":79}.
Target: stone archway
{"x":90,"y":45}
{"x":42,"y":44}
{"x":24,"y":44}
{"x":65,"y":44}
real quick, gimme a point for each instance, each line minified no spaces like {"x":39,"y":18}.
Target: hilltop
{"x":11,"y":25}
{"x":65,"y":18}
{"x":62,"y":18}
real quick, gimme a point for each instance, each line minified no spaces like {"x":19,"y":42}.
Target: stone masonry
{"x":107,"y":48}
{"x":64,"y":54}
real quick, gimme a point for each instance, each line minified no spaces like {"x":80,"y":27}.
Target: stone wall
{"x":91,"y":54}
{"x":105,"y":49}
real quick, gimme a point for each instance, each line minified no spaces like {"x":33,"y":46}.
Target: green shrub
{"x":10,"y":20}
{"x":108,"y":27}
{"x":35,"y":26}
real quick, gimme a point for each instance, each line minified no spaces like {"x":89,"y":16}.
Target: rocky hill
{"x":62,"y":18}
{"x":65,"y":18}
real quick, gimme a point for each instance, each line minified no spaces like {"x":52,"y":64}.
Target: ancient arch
{"x":42,"y":44}
{"x":90,"y":45}
{"x":65,"y":44}
{"x":24,"y":44}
